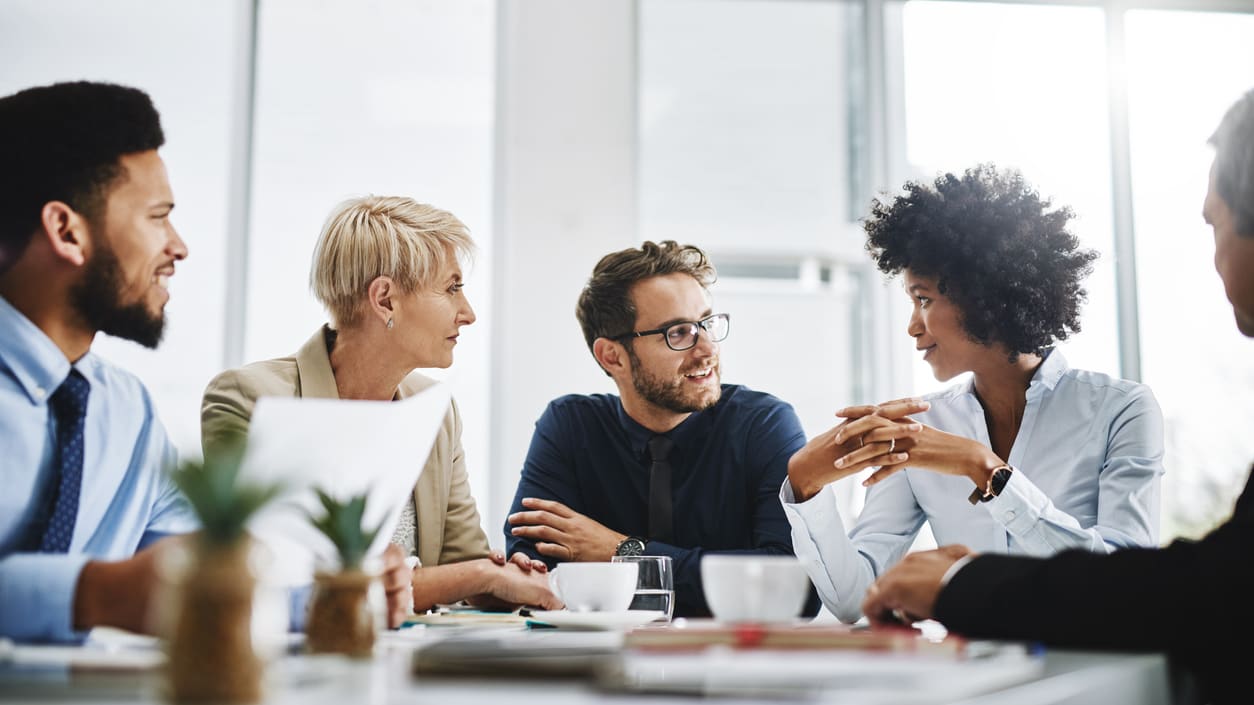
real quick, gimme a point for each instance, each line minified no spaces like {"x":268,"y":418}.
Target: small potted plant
{"x":210,"y":648}
{"x":343,"y":616}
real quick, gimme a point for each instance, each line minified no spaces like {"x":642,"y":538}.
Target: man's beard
{"x":669,"y":395}
{"x":97,"y":298}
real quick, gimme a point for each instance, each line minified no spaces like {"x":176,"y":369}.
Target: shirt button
{"x":39,"y":392}
{"x":1010,"y":514}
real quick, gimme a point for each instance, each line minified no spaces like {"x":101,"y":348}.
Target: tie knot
{"x":70,"y":400}
{"x":659,"y":448}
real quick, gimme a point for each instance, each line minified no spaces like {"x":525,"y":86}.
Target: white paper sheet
{"x":345,"y":448}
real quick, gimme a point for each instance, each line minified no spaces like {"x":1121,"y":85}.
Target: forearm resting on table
{"x":449,"y":583}
{"x":114,"y":594}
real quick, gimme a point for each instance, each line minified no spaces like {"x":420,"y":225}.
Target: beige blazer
{"x":448,"y":524}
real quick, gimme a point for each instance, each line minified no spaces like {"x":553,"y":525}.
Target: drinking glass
{"x":655,"y":584}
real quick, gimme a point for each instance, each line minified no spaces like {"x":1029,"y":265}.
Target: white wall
{"x":136,"y":42}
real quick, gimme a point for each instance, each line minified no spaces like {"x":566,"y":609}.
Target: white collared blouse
{"x":1088,"y":463}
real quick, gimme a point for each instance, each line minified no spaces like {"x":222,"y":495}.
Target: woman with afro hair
{"x":1028,"y":455}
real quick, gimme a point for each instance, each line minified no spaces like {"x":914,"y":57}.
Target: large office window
{"x":994,"y":83}
{"x":386,"y":97}
{"x":383,"y":97}
{"x":762,"y":129}
{"x":1201,"y":368}
{"x":744,"y":136}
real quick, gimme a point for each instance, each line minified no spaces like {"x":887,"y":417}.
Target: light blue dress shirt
{"x":1088,"y":463}
{"x":127,"y":497}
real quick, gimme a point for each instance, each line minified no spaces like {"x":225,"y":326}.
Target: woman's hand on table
{"x":520,"y":559}
{"x":510,"y":585}
{"x":396,"y":578}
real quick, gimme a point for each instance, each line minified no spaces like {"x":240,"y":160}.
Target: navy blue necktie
{"x":69,"y":403}
{"x":661,"y":520}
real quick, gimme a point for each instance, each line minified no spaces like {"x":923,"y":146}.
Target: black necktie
{"x":69,"y":404}
{"x":661,"y":523}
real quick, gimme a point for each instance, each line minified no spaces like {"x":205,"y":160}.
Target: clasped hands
{"x":884,"y":436}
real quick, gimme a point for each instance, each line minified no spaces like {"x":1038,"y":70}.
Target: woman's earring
{"x":389,"y":324}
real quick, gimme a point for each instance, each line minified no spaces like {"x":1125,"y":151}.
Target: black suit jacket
{"x":1192,"y":599}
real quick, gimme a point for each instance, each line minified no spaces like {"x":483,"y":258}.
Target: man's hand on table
{"x":907,"y":592}
{"x":560,"y":532}
{"x":118,"y":593}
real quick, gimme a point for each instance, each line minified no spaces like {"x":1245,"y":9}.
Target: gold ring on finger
{"x":892,"y":445}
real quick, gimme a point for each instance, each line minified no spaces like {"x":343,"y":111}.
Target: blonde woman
{"x":388,"y":271}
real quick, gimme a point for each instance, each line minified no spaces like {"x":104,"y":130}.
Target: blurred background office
{"x":560,"y":130}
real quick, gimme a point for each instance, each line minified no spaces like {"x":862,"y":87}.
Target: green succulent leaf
{"x":222,"y":504}
{"x":342,"y":523}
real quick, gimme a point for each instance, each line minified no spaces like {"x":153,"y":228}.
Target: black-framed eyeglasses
{"x":683,"y":335}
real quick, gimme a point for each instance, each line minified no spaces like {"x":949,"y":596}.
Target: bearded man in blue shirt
{"x":86,"y":246}
{"x":678,"y":464}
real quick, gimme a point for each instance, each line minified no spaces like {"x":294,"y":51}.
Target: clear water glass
{"x":655,"y":584}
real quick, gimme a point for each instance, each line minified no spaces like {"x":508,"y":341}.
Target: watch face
{"x":631,"y":546}
{"x":1000,"y":477}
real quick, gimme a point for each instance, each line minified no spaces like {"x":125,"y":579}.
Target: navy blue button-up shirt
{"x":728,"y":464}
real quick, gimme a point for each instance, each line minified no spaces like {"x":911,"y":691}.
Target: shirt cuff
{"x":786,"y":495}
{"x":37,"y":596}
{"x":953,"y":569}
{"x":789,"y":499}
{"x":818,"y":514}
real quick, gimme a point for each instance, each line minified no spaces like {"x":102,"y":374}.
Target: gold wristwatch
{"x":996,"y":483}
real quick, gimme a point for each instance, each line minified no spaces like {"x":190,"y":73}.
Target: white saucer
{"x":597,"y":620}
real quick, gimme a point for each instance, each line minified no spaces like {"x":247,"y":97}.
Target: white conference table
{"x":1006,"y":675}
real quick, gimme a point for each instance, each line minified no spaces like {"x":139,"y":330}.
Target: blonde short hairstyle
{"x":374,"y":236}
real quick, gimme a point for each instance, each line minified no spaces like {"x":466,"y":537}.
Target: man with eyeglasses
{"x":678,"y":464}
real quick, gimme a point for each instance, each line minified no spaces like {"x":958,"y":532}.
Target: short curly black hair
{"x":64,"y":142}
{"x":997,"y":250}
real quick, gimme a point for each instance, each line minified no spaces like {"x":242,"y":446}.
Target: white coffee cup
{"x":594,"y":587}
{"x":752,"y":588}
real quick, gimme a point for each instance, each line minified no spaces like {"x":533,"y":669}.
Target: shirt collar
{"x":1050,"y":371}
{"x":35,"y":361}
{"x":1046,"y":377}
{"x":638,"y":436}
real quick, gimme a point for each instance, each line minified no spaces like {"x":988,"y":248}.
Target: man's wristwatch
{"x":996,"y":483}
{"x":630,"y":546}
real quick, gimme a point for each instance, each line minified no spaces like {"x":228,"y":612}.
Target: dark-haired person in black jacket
{"x":1192,"y":599}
